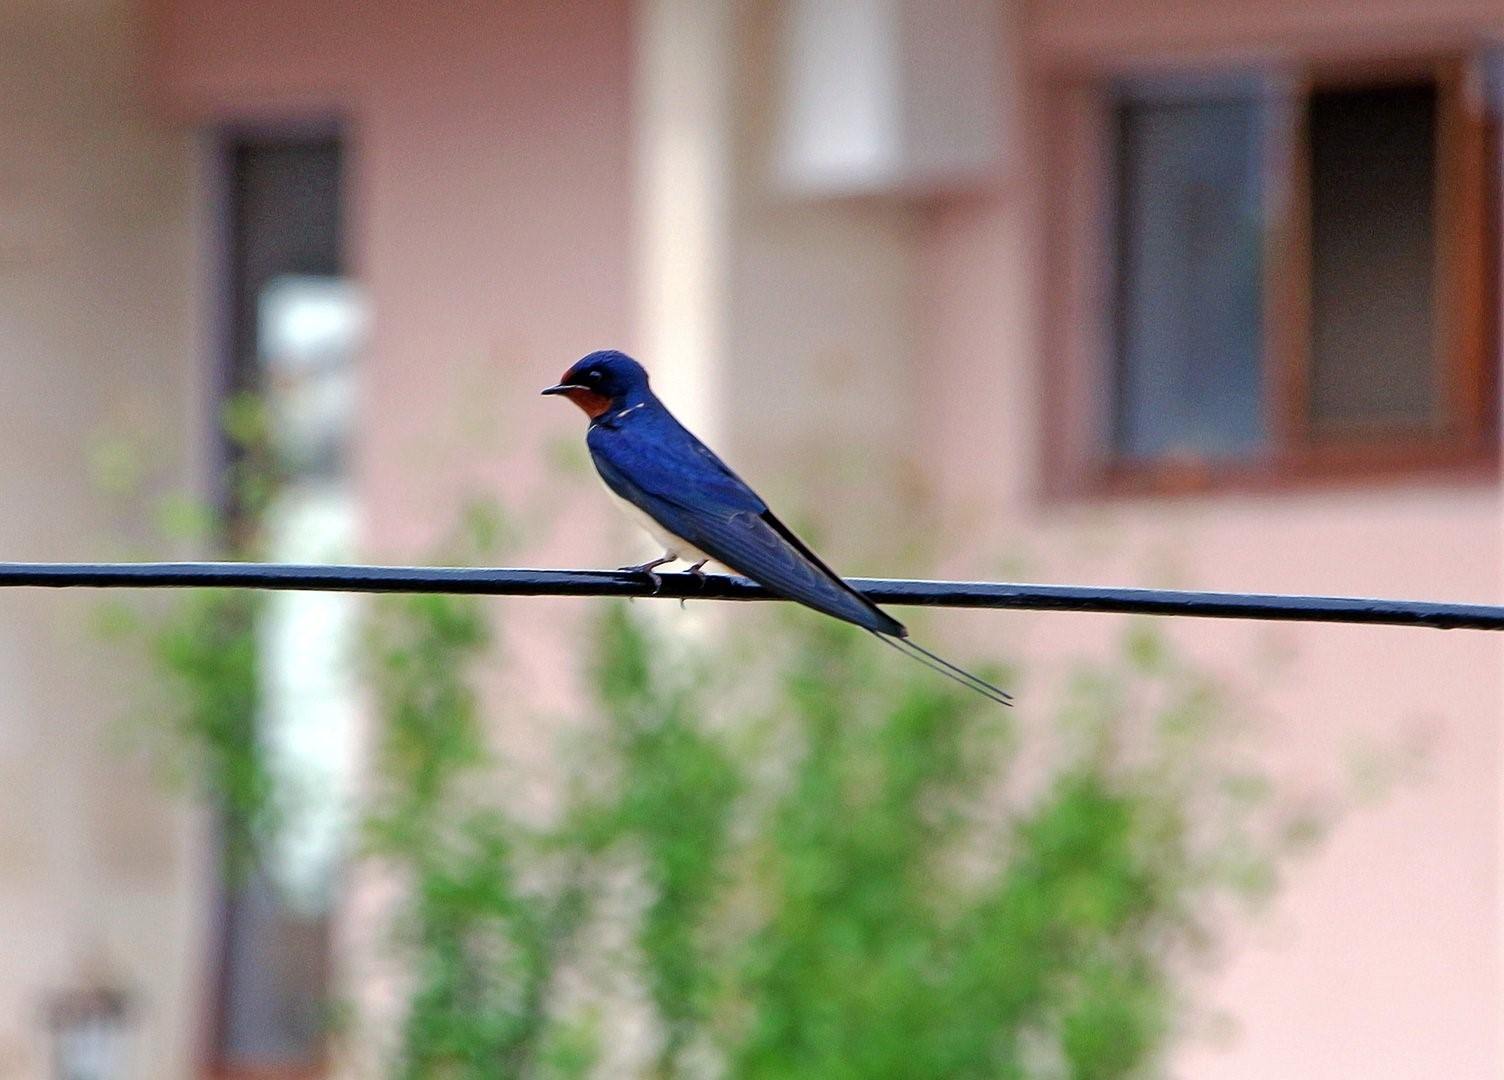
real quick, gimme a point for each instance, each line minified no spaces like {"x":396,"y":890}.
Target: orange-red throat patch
{"x":591,"y":403}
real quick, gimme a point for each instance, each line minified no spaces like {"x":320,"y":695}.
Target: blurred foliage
{"x":845,"y":880}
{"x":480,"y":940}
{"x":673,"y":803}
{"x":202,"y":730}
{"x":865,"y":895}
{"x":808,"y":858}
{"x":202,"y":726}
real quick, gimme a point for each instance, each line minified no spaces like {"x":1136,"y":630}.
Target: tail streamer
{"x":942,"y":666}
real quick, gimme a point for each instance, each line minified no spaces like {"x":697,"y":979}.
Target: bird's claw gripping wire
{"x":698,"y":572}
{"x":648,"y":567}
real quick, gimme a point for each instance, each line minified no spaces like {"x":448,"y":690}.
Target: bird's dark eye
{"x":594,"y":376}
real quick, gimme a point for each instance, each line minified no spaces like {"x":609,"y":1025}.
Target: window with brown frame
{"x":1300,"y":277}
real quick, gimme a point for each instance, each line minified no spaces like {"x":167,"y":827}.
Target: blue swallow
{"x":691,"y":502}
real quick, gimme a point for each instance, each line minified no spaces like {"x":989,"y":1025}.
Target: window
{"x":1190,"y":260}
{"x":1298,"y":277}
{"x":294,"y":324}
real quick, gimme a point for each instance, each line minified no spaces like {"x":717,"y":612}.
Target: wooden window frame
{"x":1081,"y":288}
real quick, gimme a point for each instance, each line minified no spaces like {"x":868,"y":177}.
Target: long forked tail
{"x":942,"y":666}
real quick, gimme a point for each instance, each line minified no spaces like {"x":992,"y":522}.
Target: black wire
{"x":958,"y":594}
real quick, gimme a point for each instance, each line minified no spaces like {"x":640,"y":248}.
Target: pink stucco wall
{"x":488,"y":148}
{"x":489,"y":218}
{"x":98,"y":865}
{"x":1382,"y":956}
{"x":491,"y":154}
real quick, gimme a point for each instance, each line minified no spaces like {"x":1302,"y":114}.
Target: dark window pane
{"x":284,"y":220}
{"x":275,"y":970}
{"x":284,"y":213}
{"x":1189,"y":305}
{"x":1373,"y":244}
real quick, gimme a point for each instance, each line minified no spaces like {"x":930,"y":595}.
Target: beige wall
{"x":821,"y":321}
{"x":95,"y":861}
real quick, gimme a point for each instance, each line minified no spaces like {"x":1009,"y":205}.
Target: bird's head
{"x":603,"y":381}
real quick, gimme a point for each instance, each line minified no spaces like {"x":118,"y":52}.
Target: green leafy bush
{"x":481,"y":946}
{"x":852,"y":875}
{"x":850,"y":887}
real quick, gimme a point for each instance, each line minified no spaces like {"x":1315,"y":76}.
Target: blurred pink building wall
{"x":491,"y":156}
{"x":488,"y":155}
{"x":1382,"y":956}
{"x":98,"y":865}
{"x":487,"y":146}
{"x":489,"y":209}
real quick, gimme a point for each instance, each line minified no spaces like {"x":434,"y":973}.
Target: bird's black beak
{"x":561,"y":388}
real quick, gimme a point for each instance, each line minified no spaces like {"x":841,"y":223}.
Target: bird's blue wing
{"x":655,"y":455}
{"x":658,"y":466}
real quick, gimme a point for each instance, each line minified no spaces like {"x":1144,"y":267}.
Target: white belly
{"x":676,"y":546}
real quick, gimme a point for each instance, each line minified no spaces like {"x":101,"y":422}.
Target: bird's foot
{"x":648,"y":568}
{"x":697,"y":570}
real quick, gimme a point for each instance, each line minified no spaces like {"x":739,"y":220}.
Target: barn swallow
{"x":691,"y":502}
